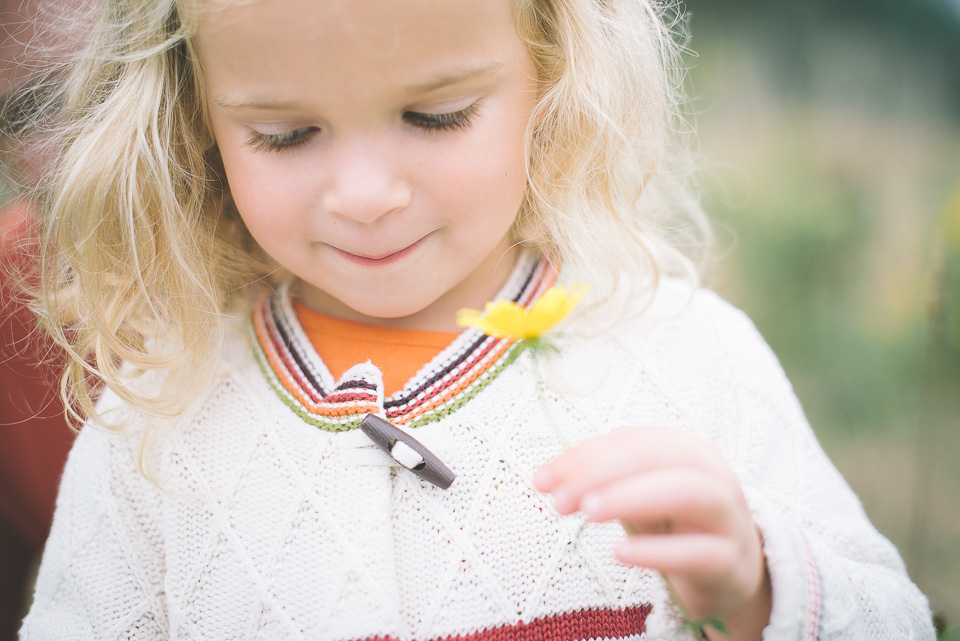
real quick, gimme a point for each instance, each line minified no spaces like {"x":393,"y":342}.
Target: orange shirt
{"x":399,"y":353}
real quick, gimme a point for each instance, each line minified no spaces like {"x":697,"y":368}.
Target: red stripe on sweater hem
{"x":572,"y":626}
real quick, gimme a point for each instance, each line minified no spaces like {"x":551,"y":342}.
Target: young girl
{"x":267,"y":217}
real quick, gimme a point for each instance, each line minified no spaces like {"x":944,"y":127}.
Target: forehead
{"x":280,"y":42}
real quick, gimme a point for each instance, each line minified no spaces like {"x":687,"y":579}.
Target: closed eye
{"x":453,"y":121}
{"x":280,"y":142}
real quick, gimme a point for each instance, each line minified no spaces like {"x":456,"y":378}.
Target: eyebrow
{"x":440,"y":82}
{"x":458,"y":77}
{"x":257,"y":104}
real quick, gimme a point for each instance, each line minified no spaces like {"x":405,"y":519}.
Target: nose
{"x":365,"y":183}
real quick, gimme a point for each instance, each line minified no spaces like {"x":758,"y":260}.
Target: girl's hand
{"x":685,"y":515}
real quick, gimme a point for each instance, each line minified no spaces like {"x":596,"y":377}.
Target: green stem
{"x":537,"y":347}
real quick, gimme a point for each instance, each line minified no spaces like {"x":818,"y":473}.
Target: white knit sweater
{"x":271,"y":524}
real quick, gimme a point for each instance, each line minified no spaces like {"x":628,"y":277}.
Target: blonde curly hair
{"x":145,"y":254}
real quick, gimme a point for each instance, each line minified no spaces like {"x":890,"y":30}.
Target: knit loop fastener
{"x":298,"y":376}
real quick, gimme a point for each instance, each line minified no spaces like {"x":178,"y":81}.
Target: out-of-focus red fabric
{"x":34,"y":436}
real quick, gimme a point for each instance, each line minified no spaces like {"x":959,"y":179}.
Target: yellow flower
{"x":506,"y":319}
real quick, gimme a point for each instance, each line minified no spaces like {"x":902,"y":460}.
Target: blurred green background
{"x":830,"y":138}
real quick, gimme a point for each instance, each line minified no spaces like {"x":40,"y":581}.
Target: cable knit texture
{"x":267,"y":525}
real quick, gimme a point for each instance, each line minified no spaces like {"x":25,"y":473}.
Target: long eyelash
{"x":279,"y":142}
{"x":456,"y":121}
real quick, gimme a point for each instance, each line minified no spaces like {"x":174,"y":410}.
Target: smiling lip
{"x":383,"y":259}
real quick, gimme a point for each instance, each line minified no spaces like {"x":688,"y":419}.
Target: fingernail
{"x":592,"y":507}
{"x":544,"y":480}
{"x":563,"y":501}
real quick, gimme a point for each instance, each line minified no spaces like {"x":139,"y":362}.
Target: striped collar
{"x":299,"y":377}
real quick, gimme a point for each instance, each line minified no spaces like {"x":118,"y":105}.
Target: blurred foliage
{"x":813,"y":224}
{"x":803,"y":242}
{"x":947,"y":301}
{"x":945,"y":630}
{"x":830,"y":135}
{"x":929,"y":29}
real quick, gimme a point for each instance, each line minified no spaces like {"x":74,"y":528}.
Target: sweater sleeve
{"x":833,"y":575}
{"x":100,"y":576}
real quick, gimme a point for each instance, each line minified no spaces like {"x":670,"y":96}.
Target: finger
{"x":690,"y":499}
{"x":627,"y":452}
{"x":706,"y":556}
{"x":618,"y":451}
{"x":604,"y":458}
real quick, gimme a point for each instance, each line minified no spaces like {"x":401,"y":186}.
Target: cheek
{"x":490,"y":172}
{"x":262,"y":190}
{"x":272,"y":220}
{"x":501,"y":162}
{"x":259,"y":184}
{"x":499,"y":183}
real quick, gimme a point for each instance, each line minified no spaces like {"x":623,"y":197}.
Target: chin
{"x":385,"y":309}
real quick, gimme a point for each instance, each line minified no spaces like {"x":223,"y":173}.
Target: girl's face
{"x":375,"y":148}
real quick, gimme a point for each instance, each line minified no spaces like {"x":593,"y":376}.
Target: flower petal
{"x":505,"y":319}
{"x":469,"y":318}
